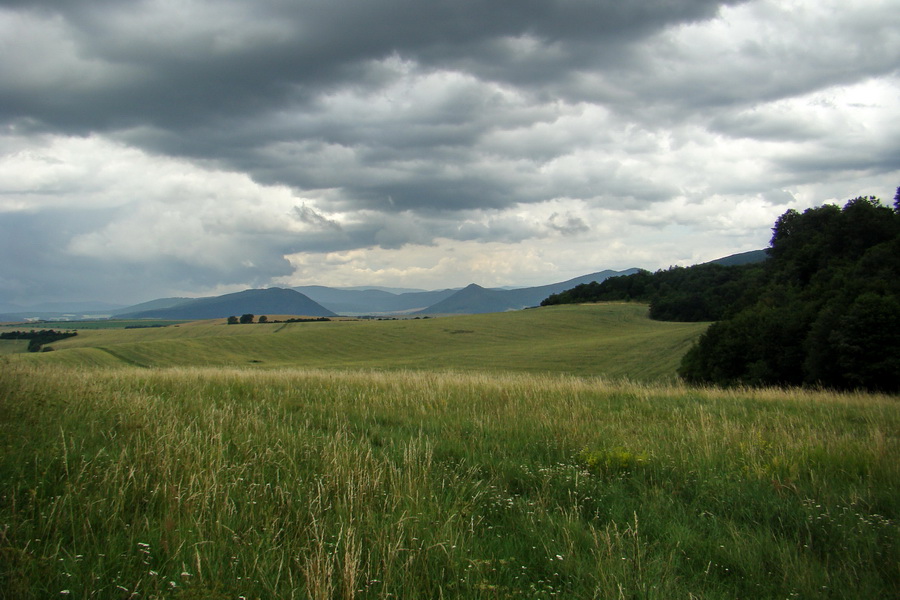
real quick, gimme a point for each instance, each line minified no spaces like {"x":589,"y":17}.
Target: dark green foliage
{"x":707,"y":292}
{"x":303,"y":320}
{"x":630,"y":287}
{"x":232,"y":320}
{"x":826,"y":311}
{"x":247,"y":318}
{"x":262,"y":319}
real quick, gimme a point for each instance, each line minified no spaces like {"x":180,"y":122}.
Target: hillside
{"x":152,"y":305}
{"x":259,"y":302}
{"x":472,"y":299}
{"x":614,"y":340}
{"x":744,"y":258}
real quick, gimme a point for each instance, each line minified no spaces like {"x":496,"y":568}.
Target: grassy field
{"x":468,"y":481}
{"x":613,"y":340}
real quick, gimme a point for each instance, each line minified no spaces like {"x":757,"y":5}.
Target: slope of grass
{"x":616,"y":340}
{"x":224,"y":483}
{"x":13,"y":346}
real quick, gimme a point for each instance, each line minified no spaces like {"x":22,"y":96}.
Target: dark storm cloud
{"x":188,"y":145}
{"x":189,"y":69}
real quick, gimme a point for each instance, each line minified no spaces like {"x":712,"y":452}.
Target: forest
{"x":822,"y":310}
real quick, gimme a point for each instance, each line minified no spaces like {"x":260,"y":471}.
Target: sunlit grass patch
{"x":614,"y":460}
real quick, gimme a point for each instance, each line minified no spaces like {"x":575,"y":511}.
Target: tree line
{"x":37,"y":339}
{"x":822,"y":310}
{"x":248,"y":318}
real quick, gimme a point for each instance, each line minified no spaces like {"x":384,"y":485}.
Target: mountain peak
{"x":278,"y":301}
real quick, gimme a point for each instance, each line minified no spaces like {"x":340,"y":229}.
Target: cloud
{"x":207,"y":145}
{"x":567,"y":224}
{"x":309,"y":216}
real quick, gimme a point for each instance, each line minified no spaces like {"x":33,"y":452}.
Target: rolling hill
{"x":615,"y":340}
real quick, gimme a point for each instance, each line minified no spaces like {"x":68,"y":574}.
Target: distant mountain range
{"x":353,"y":301}
{"x":321,"y":301}
{"x":476,"y":299}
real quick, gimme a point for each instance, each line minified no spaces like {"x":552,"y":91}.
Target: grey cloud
{"x":186,"y":77}
{"x":753,"y":124}
{"x":37,"y":266}
{"x":404,"y":121}
{"x":311,"y":217}
{"x":567,"y":224}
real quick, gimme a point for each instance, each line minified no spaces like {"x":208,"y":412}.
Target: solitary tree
{"x":263,"y":318}
{"x":232,"y":320}
{"x":247,"y":318}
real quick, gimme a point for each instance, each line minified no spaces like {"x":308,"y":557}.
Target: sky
{"x":159,"y":148}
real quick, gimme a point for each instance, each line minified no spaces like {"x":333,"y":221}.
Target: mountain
{"x":349,"y":301}
{"x":271,"y":301}
{"x":475,"y":299}
{"x":371,"y":301}
{"x":470,"y":300}
{"x":744,"y":258}
{"x":157,"y":304}
{"x":392,"y":290}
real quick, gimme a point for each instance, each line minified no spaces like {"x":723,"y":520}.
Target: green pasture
{"x":538,"y":454}
{"x":616,"y":340}
{"x":227,"y":483}
{"x":13,"y":346}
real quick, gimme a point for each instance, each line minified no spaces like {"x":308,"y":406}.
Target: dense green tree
{"x":247,"y":318}
{"x":827,"y":311}
{"x":705,"y":292}
{"x":232,"y":320}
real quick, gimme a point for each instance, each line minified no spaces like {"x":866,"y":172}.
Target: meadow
{"x":616,"y":340}
{"x":382,"y":477}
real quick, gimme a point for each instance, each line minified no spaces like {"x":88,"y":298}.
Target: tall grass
{"x":230,"y":483}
